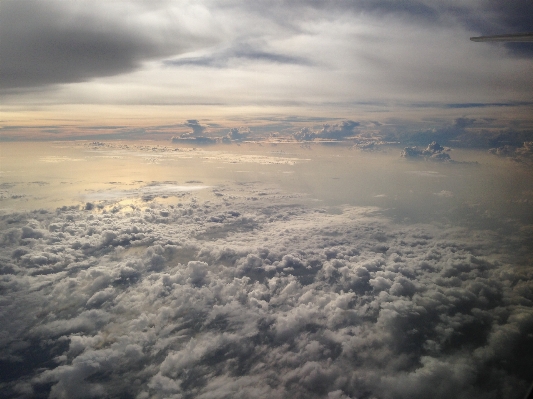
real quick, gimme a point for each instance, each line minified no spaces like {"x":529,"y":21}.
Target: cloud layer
{"x":240,"y":297}
{"x":51,"y":42}
{"x":235,"y":53}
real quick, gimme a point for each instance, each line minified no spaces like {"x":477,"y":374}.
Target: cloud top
{"x":233,"y":297}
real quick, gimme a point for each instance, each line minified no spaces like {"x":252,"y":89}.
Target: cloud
{"x":522,"y":154}
{"x":237,"y":134}
{"x":433,"y":152}
{"x":125,"y":53}
{"x":338,"y":131}
{"x":500,"y":18}
{"x":233,"y":297}
{"x":488,"y":17}
{"x":197,"y":129}
{"x":453,"y":133}
{"x":470,"y":132}
{"x":239,"y":52}
{"x":195,"y":136}
{"x":59,"y":42}
{"x":305,"y":134}
{"x":146,"y":192}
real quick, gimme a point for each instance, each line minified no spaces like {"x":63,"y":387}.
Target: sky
{"x":130,"y":69}
{"x":267,"y":199}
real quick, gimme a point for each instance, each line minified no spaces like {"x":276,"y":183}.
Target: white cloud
{"x":271,"y":301}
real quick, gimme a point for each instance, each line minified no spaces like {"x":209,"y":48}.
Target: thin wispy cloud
{"x":240,"y":53}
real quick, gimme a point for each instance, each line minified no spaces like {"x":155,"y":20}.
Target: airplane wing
{"x":513,"y":37}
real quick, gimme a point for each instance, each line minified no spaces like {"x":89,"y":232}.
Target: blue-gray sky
{"x":76,"y":65}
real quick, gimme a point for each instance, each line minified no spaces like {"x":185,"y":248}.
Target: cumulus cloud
{"x":453,"y":132}
{"x":197,"y":128}
{"x":305,"y":134}
{"x":463,"y":132}
{"x":196,"y":135}
{"x":329,"y":132}
{"x":339,"y":131}
{"x":433,"y":152}
{"x":237,"y":298}
{"x":523,"y":154}
{"x":237,"y":134}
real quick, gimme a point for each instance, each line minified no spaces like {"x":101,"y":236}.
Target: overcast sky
{"x":84,"y":64}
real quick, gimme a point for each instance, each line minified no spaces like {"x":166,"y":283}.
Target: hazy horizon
{"x":130,"y":69}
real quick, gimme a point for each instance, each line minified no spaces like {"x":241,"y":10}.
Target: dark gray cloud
{"x":287,"y":10}
{"x":239,"y":52}
{"x":516,"y":15}
{"x":488,"y":18}
{"x":485,"y":18}
{"x":196,"y":135}
{"x":197,"y":128}
{"x":419,"y":10}
{"x":488,"y":14}
{"x":53,"y":42}
{"x":480,"y":105}
{"x":501,"y":18}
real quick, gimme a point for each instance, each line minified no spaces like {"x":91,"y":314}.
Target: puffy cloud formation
{"x":195,"y":136}
{"x":463,"y":132}
{"x":194,"y":124}
{"x":523,"y":154}
{"x":237,"y":298}
{"x":236,"y":134}
{"x":305,"y":134}
{"x":339,"y":131}
{"x":433,"y":152}
{"x":329,"y":132}
{"x":457,"y":132}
